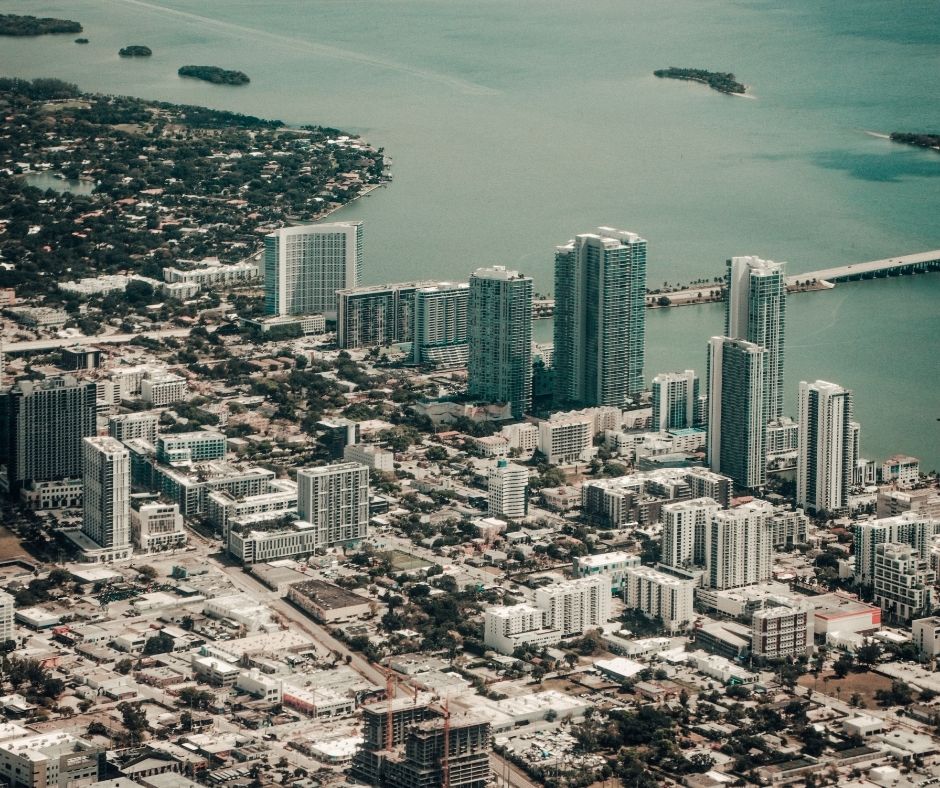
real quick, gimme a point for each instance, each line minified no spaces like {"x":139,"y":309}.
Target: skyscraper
{"x":685,"y":524}
{"x":736,"y":414}
{"x":739,"y":546}
{"x":440,"y":325}
{"x":600,"y":317}
{"x":304,"y":266}
{"x":334,"y":499}
{"x":376,"y":315}
{"x":675,"y":400}
{"x":507,"y":490}
{"x":106,"y":493}
{"x":828,"y":446}
{"x":499,"y":328}
{"x":755,"y":310}
{"x":42,"y":425}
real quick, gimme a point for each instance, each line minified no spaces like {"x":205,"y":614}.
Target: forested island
{"x":19,"y":25}
{"x":722,"y":81}
{"x":215,"y":75}
{"x":931,"y":141}
{"x":171,"y":182}
{"x":135,"y":50}
{"x":81,"y":40}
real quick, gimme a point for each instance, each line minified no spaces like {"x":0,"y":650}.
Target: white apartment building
{"x":739,"y":546}
{"x":783,"y":630}
{"x":182,"y":448}
{"x":909,"y":528}
{"x":304,"y":266}
{"x":371,"y":456}
{"x":507,"y":628}
{"x":685,"y":524}
{"x":162,"y":388}
{"x":211,"y":272}
{"x":48,"y":760}
{"x":903,"y":583}
{"x":575,"y":606}
{"x":523,"y":436}
{"x":106,"y":496}
{"x":828,"y":447}
{"x":279,"y":498}
{"x":926,"y":636}
{"x":257,"y":539}
{"x":127,"y":426}
{"x":566,"y":438}
{"x":611,"y":565}
{"x":334,"y":499}
{"x":900,"y":470}
{"x":6,"y":617}
{"x":156,"y":526}
{"x":507,"y":491}
{"x":675,"y":400}
{"x":656,"y":593}
{"x":440,"y":325}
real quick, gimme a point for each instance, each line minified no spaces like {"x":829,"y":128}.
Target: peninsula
{"x":722,"y":81}
{"x":931,"y":141}
{"x":215,"y":75}
{"x":135,"y":50}
{"x":19,"y":25}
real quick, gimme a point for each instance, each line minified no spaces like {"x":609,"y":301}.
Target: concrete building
{"x":790,"y":527}
{"x":305,"y":265}
{"x":925,"y":635}
{"x":900,"y":470}
{"x":439,"y":337}
{"x":739,"y":546}
{"x":6,"y":617}
{"x":908,"y":528}
{"x":376,"y":315}
{"x":210,"y":273}
{"x":49,"y":760}
{"x":59,"y":494}
{"x":499,"y":368}
{"x":783,"y":631}
{"x":566,"y":438}
{"x":523,"y":436}
{"x":158,"y":389}
{"x":327,"y":602}
{"x":156,"y":526}
{"x":127,"y":426}
{"x":755,"y":311}
{"x":185,"y":448}
{"x":467,"y":741}
{"x":575,"y":606}
{"x":685,"y":527}
{"x":370,"y":455}
{"x":676,"y":401}
{"x":613,"y":565}
{"x":42,"y":428}
{"x":903,"y":582}
{"x":508,"y":491}
{"x":600,"y":317}
{"x":106,"y":497}
{"x":334,"y":499}
{"x":507,"y":628}
{"x":827,"y":451}
{"x":277,"y":498}
{"x":657,"y":594}
{"x":924,"y":502}
{"x":736,"y":423}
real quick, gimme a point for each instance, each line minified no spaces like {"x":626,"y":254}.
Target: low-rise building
{"x":926,"y":636}
{"x":327,"y":602}
{"x":371,"y":456}
{"x":507,"y":628}
{"x":155,"y":525}
{"x":48,"y":760}
{"x":613,"y":565}
{"x":58,"y":494}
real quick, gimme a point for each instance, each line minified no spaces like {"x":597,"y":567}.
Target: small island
{"x":215,"y":75}
{"x":19,"y":25}
{"x":723,"y":82}
{"x":135,"y":50}
{"x":81,"y":40}
{"x":931,"y":141}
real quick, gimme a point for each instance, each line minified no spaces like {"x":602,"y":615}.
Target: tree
{"x":135,"y":720}
{"x":161,"y":643}
{"x":148,"y":572}
{"x":123,"y":666}
{"x":869,"y":654}
{"x":843,"y":665}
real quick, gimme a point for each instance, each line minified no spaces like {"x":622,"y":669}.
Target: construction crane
{"x":445,"y":760}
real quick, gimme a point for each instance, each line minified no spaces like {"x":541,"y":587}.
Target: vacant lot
{"x":10,"y":547}
{"x":865,"y":684}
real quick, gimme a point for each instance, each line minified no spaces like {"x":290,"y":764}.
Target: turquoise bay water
{"x":514,"y":124}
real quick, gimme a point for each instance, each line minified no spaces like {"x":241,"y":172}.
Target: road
{"x":304,"y":623}
{"x":38,"y":345}
{"x":506,"y":774}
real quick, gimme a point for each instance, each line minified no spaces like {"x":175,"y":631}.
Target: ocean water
{"x":515,"y":124}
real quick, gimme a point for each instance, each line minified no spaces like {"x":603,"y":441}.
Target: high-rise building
{"x":127,"y":426}
{"x":42,"y":426}
{"x":575,"y":606}
{"x":334,"y":499}
{"x":507,"y":488}
{"x":304,"y":266}
{"x":499,"y":330}
{"x":739,"y":546}
{"x":106,"y":494}
{"x":783,"y":631}
{"x":685,"y":524}
{"x":909,"y":528}
{"x":675,"y":400}
{"x":903,"y":583}
{"x":600,"y":317}
{"x":376,"y":315}
{"x":828,"y":447}
{"x":6,"y":616}
{"x":736,"y":414}
{"x":755,"y":310}
{"x":439,"y":336}
{"x":657,"y":594}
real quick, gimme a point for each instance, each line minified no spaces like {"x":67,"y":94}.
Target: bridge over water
{"x":891,"y":266}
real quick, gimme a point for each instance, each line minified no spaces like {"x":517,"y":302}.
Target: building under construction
{"x":422,"y":746}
